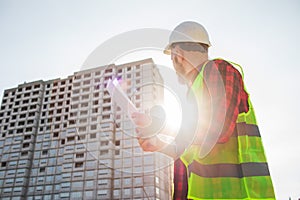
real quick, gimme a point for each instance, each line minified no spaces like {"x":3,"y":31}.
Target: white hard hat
{"x":188,"y":32}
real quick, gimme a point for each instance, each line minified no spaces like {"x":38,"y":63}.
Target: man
{"x":221,"y":155}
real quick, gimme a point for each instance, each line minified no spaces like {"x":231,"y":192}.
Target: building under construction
{"x":66,"y":139}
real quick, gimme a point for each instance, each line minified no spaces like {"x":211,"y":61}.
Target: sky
{"x":53,"y":38}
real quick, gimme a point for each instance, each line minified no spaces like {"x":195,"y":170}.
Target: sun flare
{"x":173,"y":112}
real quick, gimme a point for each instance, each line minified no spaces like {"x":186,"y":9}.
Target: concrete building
{"x":66,"y":139}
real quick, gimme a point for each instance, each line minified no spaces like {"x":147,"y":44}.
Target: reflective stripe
{"x":246,"y":129}
{"x":229,"y":170}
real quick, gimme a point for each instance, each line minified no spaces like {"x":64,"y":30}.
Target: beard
{"x":181,"y":79}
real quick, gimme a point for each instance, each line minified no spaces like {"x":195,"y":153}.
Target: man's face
{"x":178,"y":66}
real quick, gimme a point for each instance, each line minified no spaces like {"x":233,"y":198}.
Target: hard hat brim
{"x":167,"y":50}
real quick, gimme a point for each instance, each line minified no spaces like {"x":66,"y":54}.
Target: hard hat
{"x":188,"y":31}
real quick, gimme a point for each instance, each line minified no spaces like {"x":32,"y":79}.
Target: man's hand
{"x":148,"y":140}
{"x":151,"y":144}
{"x":141,"y":119}
{"x":150,"y":125}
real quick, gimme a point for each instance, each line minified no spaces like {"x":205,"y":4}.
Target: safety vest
{"x":236,"y":169}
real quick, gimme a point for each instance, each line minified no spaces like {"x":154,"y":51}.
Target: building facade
{"x":66,"y":139}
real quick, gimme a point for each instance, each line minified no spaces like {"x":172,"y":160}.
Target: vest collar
{"x":194,"y":73}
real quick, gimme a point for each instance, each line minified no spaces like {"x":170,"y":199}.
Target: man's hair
{"x":192,"y":46}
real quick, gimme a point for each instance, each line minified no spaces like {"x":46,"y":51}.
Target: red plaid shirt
{"x":236,"y":101}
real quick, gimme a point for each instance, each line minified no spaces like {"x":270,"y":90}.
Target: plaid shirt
{"x":236,"y":101}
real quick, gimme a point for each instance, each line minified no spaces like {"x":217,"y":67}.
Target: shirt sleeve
{"x":223,"y":85}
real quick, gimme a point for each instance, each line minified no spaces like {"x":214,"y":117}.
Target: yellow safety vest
{"x":236,"y":169}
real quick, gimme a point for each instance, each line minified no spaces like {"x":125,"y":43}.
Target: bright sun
{"x":173,"y":111}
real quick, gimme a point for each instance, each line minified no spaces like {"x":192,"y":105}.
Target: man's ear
{"x":179,"y":55}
